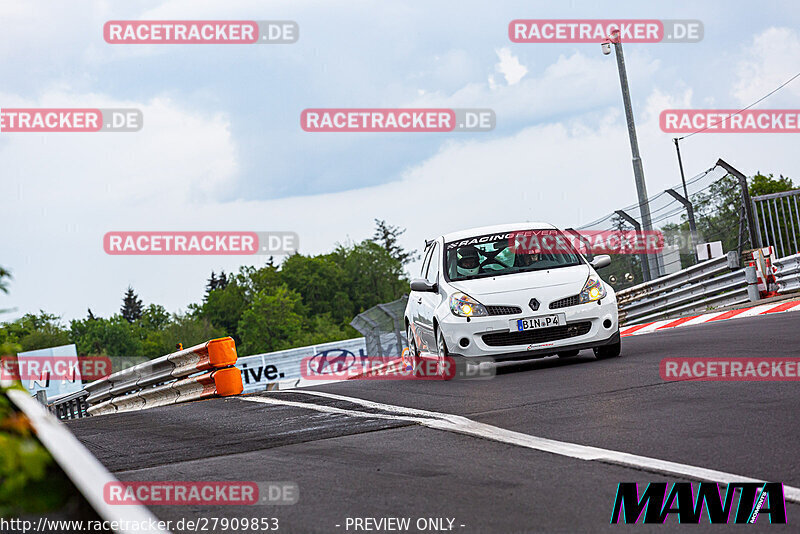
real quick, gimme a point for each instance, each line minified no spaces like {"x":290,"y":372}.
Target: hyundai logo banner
{"x":285,"y":366}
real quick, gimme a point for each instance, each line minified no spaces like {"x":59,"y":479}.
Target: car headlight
{"x":592,"y":290}
{"x":465,"y":306}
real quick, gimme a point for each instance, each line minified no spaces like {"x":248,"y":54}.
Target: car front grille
{"x":564,"y":303}
{"x":540,"y":335}
{"x":503,"y":310}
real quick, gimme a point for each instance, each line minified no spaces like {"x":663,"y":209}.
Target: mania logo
{"x":755,"y":500}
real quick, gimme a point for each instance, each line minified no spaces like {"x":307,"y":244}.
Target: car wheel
{"x":607,"y":351}
{"x":568,"y":353}
{"x":443,"y":356}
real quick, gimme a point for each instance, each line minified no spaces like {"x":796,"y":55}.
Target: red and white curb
{"x":763,"y":309}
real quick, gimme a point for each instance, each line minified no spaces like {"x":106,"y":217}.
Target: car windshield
{"x":500,"y":254}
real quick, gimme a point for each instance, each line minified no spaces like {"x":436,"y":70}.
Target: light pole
{"x":651,"y":272}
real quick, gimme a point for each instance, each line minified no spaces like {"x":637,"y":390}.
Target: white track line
{"x":463,"y":425}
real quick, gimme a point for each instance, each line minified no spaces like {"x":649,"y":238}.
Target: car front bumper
{"x":587,"y":325}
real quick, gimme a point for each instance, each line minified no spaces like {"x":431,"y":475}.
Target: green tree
{"x":185,"y":329}
{"x":387,"y":235}
{"x":323,"y":329}
{"x":625,"y":269}
{"x":765,"y":185}
{"x":154,"y":318}
{"x":371,"y":275}
{"x":131,"y":308}
{"x":34,"y":332}
{"x":114,"y":336}
{"x":274,"y":321}
{"x":318,"y":280}
{"x":211,"y":285}
{"x":216,"y":282}
{"x":32,"y":482}
{"x":5,"y":276}
{"x":224,"y":307}
{"x":254,"y":279}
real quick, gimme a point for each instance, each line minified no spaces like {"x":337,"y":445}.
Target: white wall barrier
{"x":263,"y":371}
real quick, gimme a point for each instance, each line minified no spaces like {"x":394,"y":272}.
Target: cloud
{"x":569,"y":86}
{"x":510,"y":67}
{"x":178,"y":154}
{"x":769,"y":60}
{"x":64,"y":191}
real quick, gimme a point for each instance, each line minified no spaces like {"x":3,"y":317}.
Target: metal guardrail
{"x":166,"y":380}
{"x":788,"y":273}
{"x":710,"y":284}
{"x":71,"y":406}
{"x":690,"y":289}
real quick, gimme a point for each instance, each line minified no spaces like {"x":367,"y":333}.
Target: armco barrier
{"x":710,"y":284}
{"x":164,"y":380}
{"x":787,"y":273}
{"x":71,"y":406}
{"x":216,"y":353}
{"x":716,"y":282}
{"x":222,"y":382}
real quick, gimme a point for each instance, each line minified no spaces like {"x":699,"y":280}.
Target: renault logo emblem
{"x":534,"y":304}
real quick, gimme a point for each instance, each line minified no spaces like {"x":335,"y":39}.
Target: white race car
{"x":489,"y":292}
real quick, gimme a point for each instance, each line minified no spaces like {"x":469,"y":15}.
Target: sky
{"x":222,"y":148}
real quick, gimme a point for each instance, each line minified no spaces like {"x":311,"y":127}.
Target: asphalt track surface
{"x":351,"y":465}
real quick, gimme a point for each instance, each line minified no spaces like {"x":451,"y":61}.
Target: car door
{"x":428,"y":301}
{"x":415,"y":299}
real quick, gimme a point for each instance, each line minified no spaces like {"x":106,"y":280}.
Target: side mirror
{"x":603,"y":260}
{"x":423,"y":285}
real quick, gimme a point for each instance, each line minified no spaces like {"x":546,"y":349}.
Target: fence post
{"x":690,"y":213}
{"x":746,"y":202}
{"x":396,"y":323}
{"x":642,"y":257}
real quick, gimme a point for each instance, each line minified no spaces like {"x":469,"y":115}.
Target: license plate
{"x":542,"y":321}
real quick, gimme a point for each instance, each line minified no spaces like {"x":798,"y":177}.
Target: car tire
{"x":607,"y":351}
{"x":442,"y":355}
{"x":568,"y":353}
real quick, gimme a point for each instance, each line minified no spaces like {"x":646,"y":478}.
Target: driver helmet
{"x":527,"y":259}
{"x":468,"y":261}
